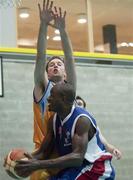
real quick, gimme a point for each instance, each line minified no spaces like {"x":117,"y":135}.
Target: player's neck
{"x":57,"y":79}
{"x":64,"y":113}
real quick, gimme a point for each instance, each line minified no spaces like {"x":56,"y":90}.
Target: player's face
{"x":54,"y":101}
{"x":56,"y":69}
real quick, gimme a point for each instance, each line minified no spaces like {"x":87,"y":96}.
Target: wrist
{"x":43,"y":23}
{"x":62,"y":29}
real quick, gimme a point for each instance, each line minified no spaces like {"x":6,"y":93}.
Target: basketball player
{"x":76,"y":136}
{"x":57,"y":69}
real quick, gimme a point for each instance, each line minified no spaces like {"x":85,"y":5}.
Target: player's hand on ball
{"x":10,"y":162}
{"x":26,"y":167}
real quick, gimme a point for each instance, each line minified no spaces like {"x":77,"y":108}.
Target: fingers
{"x":58,"y":13}
{"x":29,"y":156}
{"x":39,"y":7}
{"x":117,"y":154}
{"x":64,"y":14}
{"x":22,"y":162}
{"x":43,"y":4}
{"x":47,"y":5}
{"x":55,"y":11}
{"x":51,"y":5}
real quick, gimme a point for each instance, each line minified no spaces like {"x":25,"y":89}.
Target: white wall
{"x":109,"y":95}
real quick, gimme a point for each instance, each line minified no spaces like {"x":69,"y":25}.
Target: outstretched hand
{"x":46,"y":13}
{"x":59,"y":18}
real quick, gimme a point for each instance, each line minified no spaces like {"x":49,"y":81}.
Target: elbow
{"x":79,"y":163}
{"x":78,"y":160}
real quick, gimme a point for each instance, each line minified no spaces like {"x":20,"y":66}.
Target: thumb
{"x":28,"y":155}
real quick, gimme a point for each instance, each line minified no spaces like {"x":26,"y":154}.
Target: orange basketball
{"x":17,"y":154}
{"x":10,"y":162}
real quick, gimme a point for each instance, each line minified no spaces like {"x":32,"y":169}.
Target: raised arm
{"x":40,"y":77}
{"x":59,"y":23}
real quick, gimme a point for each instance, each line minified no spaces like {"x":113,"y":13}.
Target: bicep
{"x":40,"y":88}
{"x":83,"y":133}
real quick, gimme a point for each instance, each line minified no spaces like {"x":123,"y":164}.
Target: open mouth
{"x":55,"y":70}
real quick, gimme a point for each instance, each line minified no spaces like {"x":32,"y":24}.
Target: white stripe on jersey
{"x":86,"y":168}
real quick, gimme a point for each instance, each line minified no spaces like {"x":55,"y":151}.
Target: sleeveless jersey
{"x":64,"y":132}
{"x":41,"y":116}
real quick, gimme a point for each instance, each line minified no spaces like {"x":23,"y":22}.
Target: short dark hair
{"x":80,"y":98}
{"x":51,"y":58}
{"x":66,"y":90}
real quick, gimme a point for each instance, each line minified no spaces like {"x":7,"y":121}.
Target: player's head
{"x":55,"y":69}
{"x":62,"y":97}
{"x":80,"y":102}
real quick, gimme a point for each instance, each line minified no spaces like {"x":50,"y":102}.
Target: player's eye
{"x":59,"y":64}
{"x":51,"y":65}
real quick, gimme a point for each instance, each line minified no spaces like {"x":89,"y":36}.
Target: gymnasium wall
{"x":107,"y":89}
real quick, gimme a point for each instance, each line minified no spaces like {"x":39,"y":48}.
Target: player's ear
{"x":65,"y":77}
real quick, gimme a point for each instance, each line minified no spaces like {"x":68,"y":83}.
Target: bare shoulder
{"x":39,"y":90}
{"x":38,"y":93}
{"x":84,"y":125}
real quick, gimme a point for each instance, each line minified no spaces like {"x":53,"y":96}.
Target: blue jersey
{"x":43,"y":101}
{"x":64,"y":132}
{"x":97,"y":162}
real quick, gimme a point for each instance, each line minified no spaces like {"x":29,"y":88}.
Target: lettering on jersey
{"x":60,"y":132}
{"x":67,"y":139}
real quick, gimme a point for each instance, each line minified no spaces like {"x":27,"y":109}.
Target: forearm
{"x":69,"y":60}
{"x":66,"y":43}
{"x":41,"y":53}
{"x":47,"y":145}
{"x":71,"y":160}
{"x":109,"y":147}
{"x":41,"y":43}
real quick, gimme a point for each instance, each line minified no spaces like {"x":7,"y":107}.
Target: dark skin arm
{"x":47,"y":145}
{"x":25,"y":168}
{"x":79,"y":145}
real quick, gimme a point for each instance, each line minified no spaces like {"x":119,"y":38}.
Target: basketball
{"x":10,"y":162}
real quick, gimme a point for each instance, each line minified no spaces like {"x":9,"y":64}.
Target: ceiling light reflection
{"x":56,"y":38}
{"x":24,"y":12}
